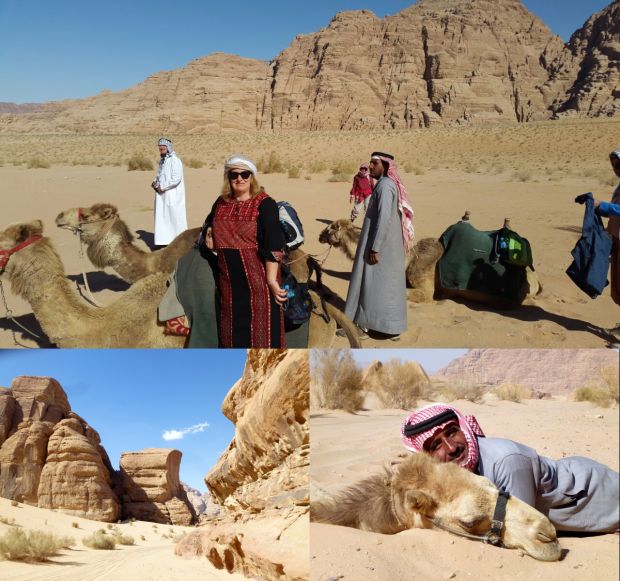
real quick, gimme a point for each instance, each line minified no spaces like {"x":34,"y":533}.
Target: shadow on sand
{"x":98,"y":281}
{"x":29,"y":321}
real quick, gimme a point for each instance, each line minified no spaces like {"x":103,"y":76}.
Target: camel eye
{"x":471,"y":523}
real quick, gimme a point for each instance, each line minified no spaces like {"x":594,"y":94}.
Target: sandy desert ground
{"x":346,"y":448}
{"x":152,"y":558}
{"x":528,"y":174}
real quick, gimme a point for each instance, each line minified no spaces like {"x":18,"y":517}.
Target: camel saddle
{"x":469,"y":262}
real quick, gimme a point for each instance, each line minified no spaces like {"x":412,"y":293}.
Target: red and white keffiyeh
{"x":468,"y":425}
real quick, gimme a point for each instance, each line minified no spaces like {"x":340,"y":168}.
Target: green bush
{"x":139,"y":162}
{"x":99,"y":540}
{"x":20,"y":545}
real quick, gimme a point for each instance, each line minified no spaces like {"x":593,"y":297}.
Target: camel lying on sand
{"x":37,"y":274}
{"x":109,"y":242}
{"x":422,"y":272}
{"x":426,"y":494}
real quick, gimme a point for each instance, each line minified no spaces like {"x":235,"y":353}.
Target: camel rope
{"x":305,"y":255}
{"x":10,"y":317}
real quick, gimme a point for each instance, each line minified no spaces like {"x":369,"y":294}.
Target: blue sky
{"x":77,"y":48}
{"x":133,"y":397}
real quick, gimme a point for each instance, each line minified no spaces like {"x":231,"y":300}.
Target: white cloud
{"x":179,"y":434}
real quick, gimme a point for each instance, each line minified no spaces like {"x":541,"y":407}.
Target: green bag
{"x":513,"y":249}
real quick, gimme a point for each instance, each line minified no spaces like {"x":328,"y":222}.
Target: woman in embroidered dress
{"x":243,"y":228}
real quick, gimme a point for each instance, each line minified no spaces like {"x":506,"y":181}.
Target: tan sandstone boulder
{"x":150,"y":488}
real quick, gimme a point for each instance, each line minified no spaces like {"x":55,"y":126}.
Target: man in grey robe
{"x":575,"y":493}
{"x":377,"y":299}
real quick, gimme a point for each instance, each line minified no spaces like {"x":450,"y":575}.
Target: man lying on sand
{"x":575,"y":493}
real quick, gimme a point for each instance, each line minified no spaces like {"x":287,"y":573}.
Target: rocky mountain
{"x":438,"y":62}
{"x":52,"y":458}
{"x":201,"y":501}
{"x":553,"y":371}
{"x":261,"y":480}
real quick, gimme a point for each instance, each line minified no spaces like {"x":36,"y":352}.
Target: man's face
{"x":448,"y":445}
{"x":615,"y":164}
{"x":163,"y":149}
{"x":376,"y":168}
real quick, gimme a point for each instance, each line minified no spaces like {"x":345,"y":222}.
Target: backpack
{"x":510,"y":248}
{"x":297,"y":307}
{"x":291,"y":226}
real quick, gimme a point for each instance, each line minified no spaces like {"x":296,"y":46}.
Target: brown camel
{"x":37,"y":274}
{"x":421,"y":271}
{"x":426,"y":494}
{"x":109,"y":242}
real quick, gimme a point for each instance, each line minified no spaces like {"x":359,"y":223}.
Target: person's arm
{"x":515,"y":475}
{"x":271,"y":246}
{"x":385,"y":210}
{"x":176,"y":175}
{"x":607,"y":209}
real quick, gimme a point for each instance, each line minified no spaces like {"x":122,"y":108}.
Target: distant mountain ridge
{"x":438,"y":62}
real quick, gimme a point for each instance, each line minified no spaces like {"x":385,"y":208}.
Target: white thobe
{"x":170,"y":216}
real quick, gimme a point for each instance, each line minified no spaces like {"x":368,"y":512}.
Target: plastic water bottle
{"x":290,"y":293}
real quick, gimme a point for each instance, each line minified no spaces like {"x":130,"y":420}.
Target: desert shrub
{"x":468,"y":389}
{"x":270,"y":164}
{"x":308,"y":177}
{"x":14,"y":503}
{"x":110,"y":526}
{"x":414,"y":168}
{"x":178,"y":536}
{"x":522,"y":175}
{"x":194,"y":163}
{"x":7,"y":521}
{"x":317,"y":166}
{"x":512,"y":392}
{"x":75,"y":525}
{"x":400,"y":384}
{"x":100,"y":541}
{"x":336,"y":381}
{"x":139,"y":162}
{"x":339,"y":177}
{"x":37,"y":162}
{"x":123,"y":539}
{"x":294,"y":172}
{"x":20,"y":545}
{"x":142,"y":538}
{"x":604,"y":390}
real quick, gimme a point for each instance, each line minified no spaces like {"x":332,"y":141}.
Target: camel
{"x":422,"y":272}
{"x":109,"y":242}
{"x":426,"y":494}
{"x":37,"y":274}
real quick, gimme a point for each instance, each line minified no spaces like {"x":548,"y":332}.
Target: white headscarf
{"x":237,"y":160}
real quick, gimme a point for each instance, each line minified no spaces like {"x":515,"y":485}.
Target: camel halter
{"x":4,"y":259}
{"x":494,"y":536}
{"x":78,"y":230}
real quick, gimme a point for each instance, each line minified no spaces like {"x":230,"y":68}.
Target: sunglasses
{"x":233,"y":175}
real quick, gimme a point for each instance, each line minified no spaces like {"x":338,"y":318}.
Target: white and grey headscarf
{"x":238,"y":161}
{"x":168,"y":144}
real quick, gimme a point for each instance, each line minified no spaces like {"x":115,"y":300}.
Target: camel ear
{"x":105,"y":211}
{"x":25,"y":231}
{"x":418,"y":501}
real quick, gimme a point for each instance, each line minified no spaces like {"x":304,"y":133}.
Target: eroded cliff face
{"x":50,"y":457}
{"x":552,"y":371}
{"x":261,"y":480}
{"x":438,"y":62}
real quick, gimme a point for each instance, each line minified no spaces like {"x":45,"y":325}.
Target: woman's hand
{"x":209,"y":238}
{"x":279,"y":294}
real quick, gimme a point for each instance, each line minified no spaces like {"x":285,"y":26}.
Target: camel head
{"x":81,"y":218}
{"x":428,"y":494}
{"x":341,"y":234}
{"x":18,"y":236}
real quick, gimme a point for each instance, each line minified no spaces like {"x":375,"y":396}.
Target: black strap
{"x":499,"y":516}
{"x":423,"y":426}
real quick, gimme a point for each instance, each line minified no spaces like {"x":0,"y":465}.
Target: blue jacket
{"x":591,"y":253}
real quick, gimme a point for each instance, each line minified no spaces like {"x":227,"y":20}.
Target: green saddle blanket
{"x":469,"y":262}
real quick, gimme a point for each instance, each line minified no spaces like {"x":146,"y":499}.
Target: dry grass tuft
{"x":194,"y":163}
{"x":100,"y":541}
{"x":19,"y":545}
{"x":469,"y":389}
{"x":38,"y":163}
{"x":512,"y":392}
{"x":270,"y":164}
{"x":139,"y":162}
{"x":400,"y":384}
{"x":604,"y":390}
{"x":336,"y":381}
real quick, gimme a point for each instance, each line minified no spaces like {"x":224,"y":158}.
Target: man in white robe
{"x":377,"y":299}
{"x":169,"y":186}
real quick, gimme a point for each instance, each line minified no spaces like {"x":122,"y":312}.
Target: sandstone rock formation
{"x":436,"y":62}
{"x":261,"y":480}
{"x":150,"y":488}
{"x":553,"y":371}
{"x":49,"y":456}
{"x":203,"y":503}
